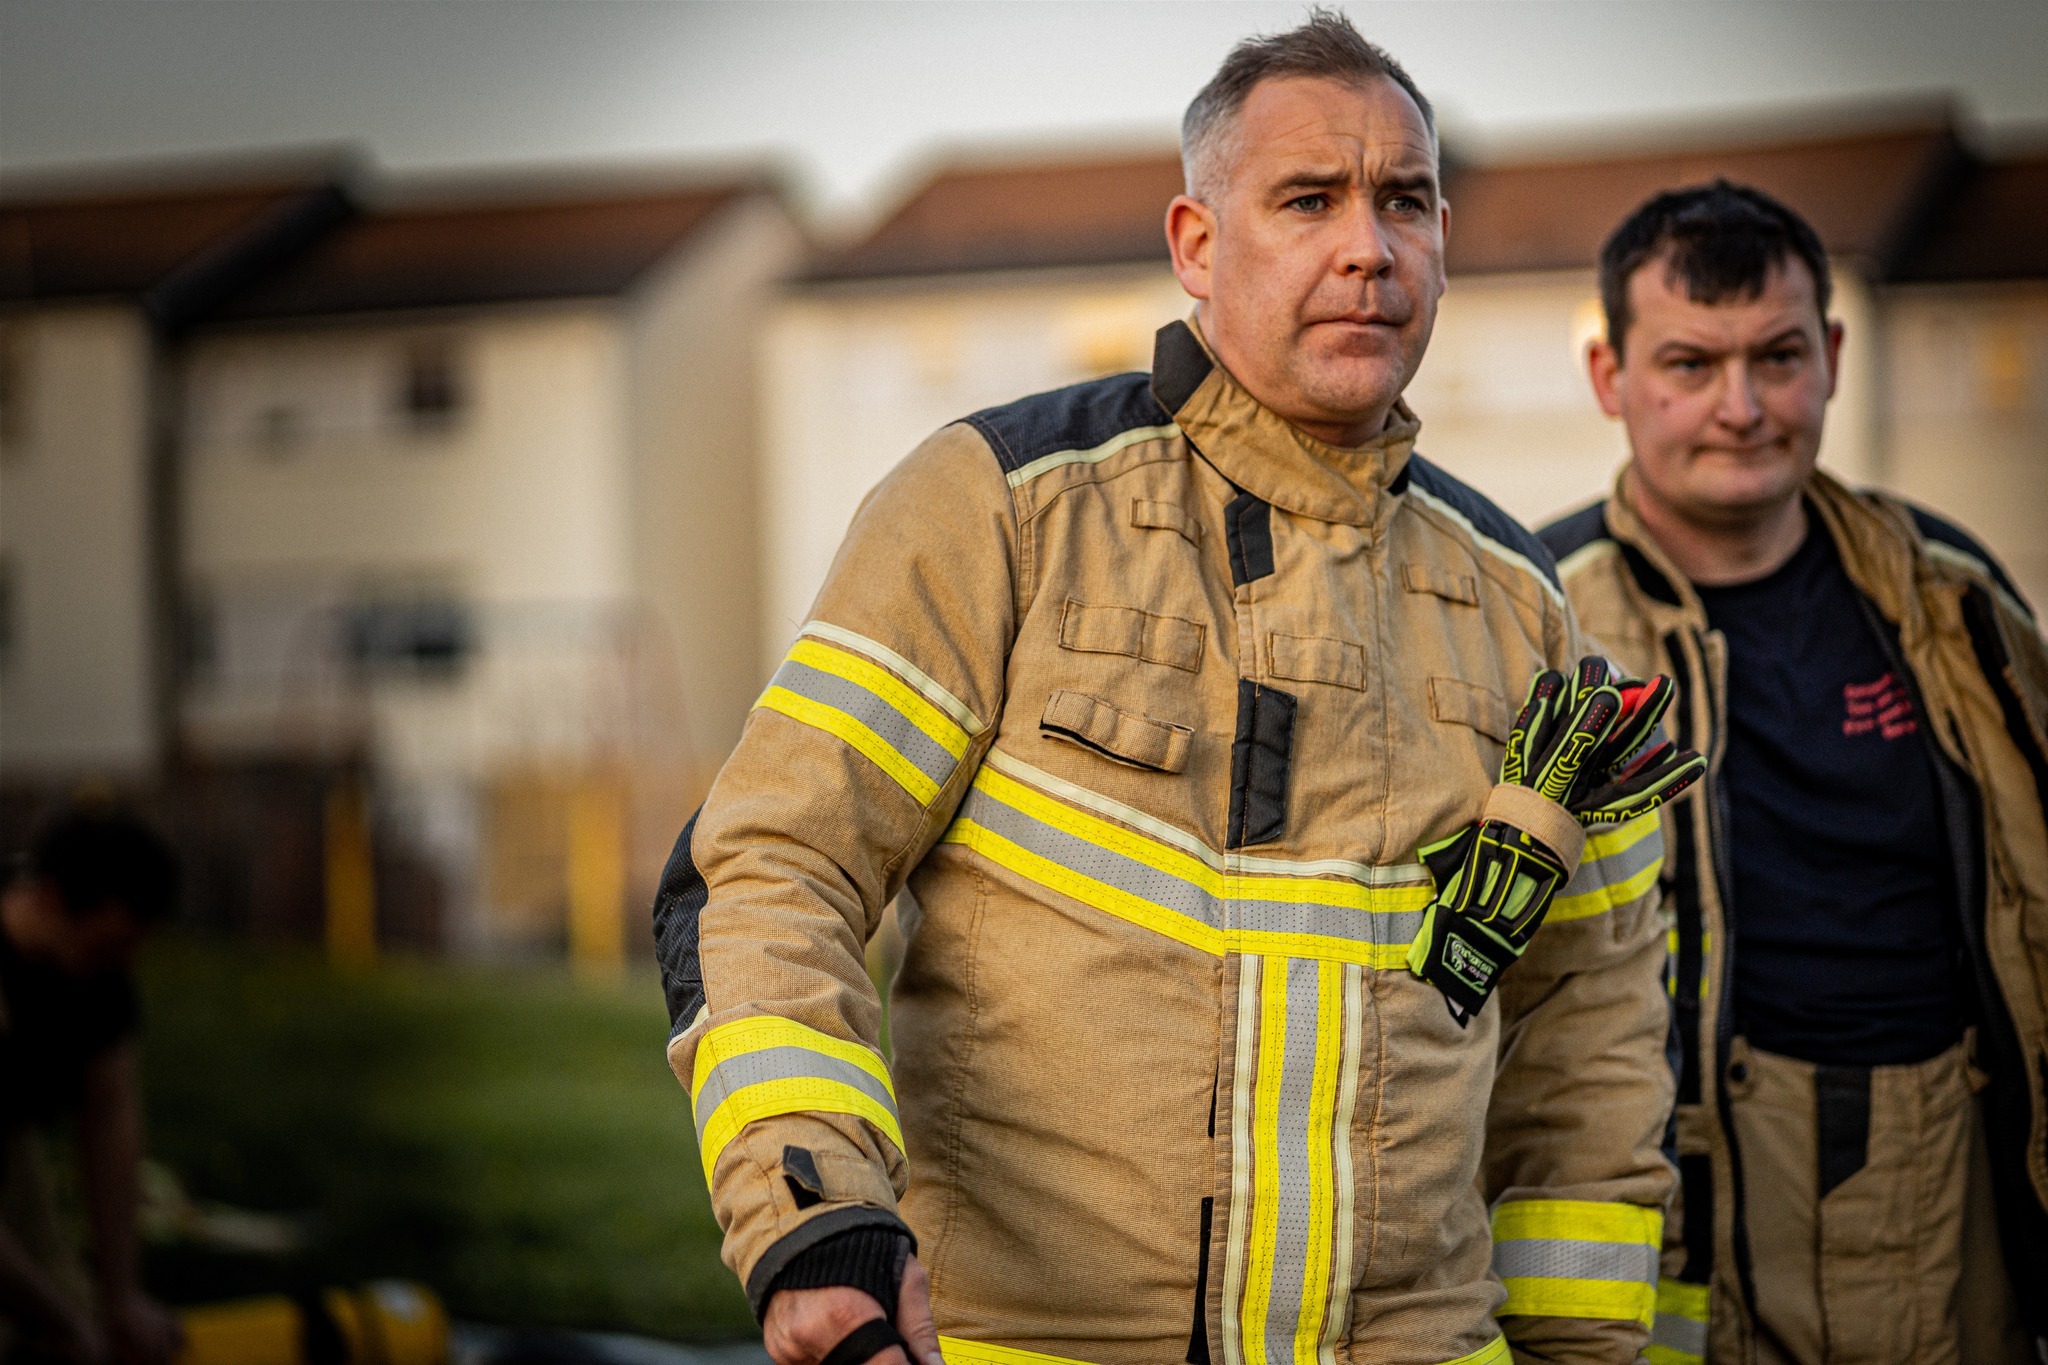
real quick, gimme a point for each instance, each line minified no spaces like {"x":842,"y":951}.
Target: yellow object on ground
{"x":386,"y":1323}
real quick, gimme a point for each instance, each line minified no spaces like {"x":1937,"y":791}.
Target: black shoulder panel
{"x":1935,"y":528}
{"x":1486,"y":519}
{"x":1569,"y":534}
{"x":1078,"y":417}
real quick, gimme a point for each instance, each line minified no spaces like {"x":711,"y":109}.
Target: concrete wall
{"x":76,"y":685}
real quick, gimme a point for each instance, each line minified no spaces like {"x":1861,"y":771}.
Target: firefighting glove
{"x":1579,"y":753}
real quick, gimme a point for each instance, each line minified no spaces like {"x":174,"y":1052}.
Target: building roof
{"x":1995,"y":228}
{"x":175,"y":250}
{"x":498,"y":250}
{"x":1867,"y":193}
{"x":969,"y":218}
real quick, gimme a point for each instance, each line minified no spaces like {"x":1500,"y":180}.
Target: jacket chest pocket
{"x":1456,"y":702}
{"x":1113,"y":732}
{"x":1169,"y":640}
{"x":1316,"y":658}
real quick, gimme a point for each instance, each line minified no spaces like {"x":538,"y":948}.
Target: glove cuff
{"x":1537,"y":815}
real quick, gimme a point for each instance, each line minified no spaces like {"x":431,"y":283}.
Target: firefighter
{"x":1279,"y":982}
{"x":1861,"y":947}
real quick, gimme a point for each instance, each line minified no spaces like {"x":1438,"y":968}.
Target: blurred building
{"x":459,"y":509}
{"x":998,"y":279}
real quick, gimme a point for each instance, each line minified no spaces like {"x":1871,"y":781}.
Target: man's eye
{"x":1310,"y":203}
{"x":1407,"y":203}
{"x":1688,"y":364}
{"x":1785,"y":356}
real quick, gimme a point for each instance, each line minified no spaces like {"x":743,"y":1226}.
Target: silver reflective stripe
{"x":1616,"y":868}
{"x":1565,"y":1259}
{"x":1139,"y":879}
{"x":1680,"y":1334}
{"x":1291,"y":1161}
{"x":781,"y":1064}
{"x":924,"y":753}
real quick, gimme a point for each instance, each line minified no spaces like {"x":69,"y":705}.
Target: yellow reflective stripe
{"x":869,"y":744}
{"x":762,"y":1067}
{"x":1336,"y":1315}
{"x":916,"y":676}
{"x":942,"y":729}
{"x":1577,"y":1220}
{"x":1577,"y":1258}
{"x":1679,"y":1335}
{"x":960,"y":1351}
{"x":1265,"y":1230}
{"x":1494,"y":1352}
{"x":1248,"y":971}
{"x":1313,"y":1299}
{"x":1224,"y":929}
{"x":1605,"y":894}
{"x":1544,"y":1296}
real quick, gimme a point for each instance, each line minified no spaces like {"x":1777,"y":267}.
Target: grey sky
{"x":854,"y":96}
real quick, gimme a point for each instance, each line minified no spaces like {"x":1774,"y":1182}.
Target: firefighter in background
{"x":92,"y":886}
{"x":1861,"y":945}
{"x":1266,"y":997}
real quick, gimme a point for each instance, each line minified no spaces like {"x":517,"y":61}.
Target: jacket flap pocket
{"x":1463,"y":703}
{"x":1137,"y":740}
{"x":1441,"y":582}
{"x":1165,"y":516}
{"x":1126,"y":630}
{"x":1314,"y":658}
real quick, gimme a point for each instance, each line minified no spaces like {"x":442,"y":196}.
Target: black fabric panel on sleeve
{"x":870,"y":1259}
{"x":678,"y":906}
{"x":1569,"y":534}
{"x":1485,"y":518}
{"x":1934,"y":528}
{"x":1841,"y":1096}
{"x":1078,"y":417}
{"x":1248,"y":529}
{"x":1179,"y":365}
{"x":1259,"y":759}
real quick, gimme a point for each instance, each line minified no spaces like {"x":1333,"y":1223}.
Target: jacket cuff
{"x":858,"y":1246}
{"x":1534,"y":814}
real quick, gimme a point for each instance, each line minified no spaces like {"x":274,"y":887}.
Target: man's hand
{"x":141,"y":1331}
{"x":803,"y":1325}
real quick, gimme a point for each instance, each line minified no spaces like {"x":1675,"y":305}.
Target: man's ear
{"x":1603,"y":367}
{"x":1191,"y":237}
{"x":1832,"y":341}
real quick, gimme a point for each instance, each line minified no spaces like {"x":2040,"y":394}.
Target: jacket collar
{"x":1263,"y":453}
{"x":1875,"y":543}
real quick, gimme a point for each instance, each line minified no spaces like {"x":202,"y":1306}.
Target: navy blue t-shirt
{"x":1843,"y":898}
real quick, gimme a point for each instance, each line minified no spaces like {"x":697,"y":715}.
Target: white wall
{"x":854,"y":378}
{"x":76,"y":693}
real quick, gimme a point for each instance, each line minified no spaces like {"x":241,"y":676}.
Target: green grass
{"x":509,"y":1137}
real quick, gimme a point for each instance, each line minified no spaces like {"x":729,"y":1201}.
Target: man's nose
{"x":1368,"y":250}
{"x":1738,"y":408}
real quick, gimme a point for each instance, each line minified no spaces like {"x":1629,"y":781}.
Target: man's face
{"x":1320,"y":265}
{"x":1723,"y":402}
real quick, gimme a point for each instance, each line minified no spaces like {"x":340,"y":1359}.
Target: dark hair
{"x":94,"y":855}
{"x":1721,"y":240}
{"x":1325,"y":45}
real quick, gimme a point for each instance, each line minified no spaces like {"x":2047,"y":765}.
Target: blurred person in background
{"x":93,"y":884}
{"x":1152,"y":690}
{"x":1861,"y":944}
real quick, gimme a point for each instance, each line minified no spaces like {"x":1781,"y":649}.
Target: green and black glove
{"x":1581,"y":752}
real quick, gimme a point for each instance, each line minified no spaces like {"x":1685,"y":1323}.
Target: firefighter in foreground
{"x":1861,"y":942}
{"x":1157,"y":692}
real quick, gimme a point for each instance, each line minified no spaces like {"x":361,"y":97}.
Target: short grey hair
{"x":1325,"y":46}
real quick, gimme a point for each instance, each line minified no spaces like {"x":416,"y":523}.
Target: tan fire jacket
{"x":1149,"y":699}
{"x":1954,"y":625}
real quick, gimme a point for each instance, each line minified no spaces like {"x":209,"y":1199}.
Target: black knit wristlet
{"x":870,"y":1259}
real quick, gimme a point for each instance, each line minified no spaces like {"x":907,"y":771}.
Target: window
{"x":431,"y":397}
{"x":428,"y":637}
